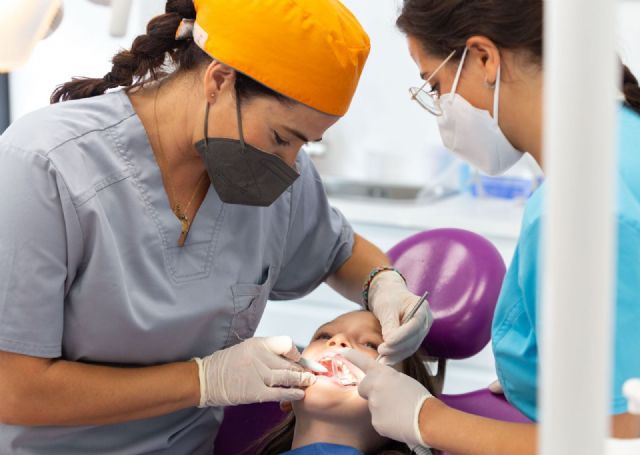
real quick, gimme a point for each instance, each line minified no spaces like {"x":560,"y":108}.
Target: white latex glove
{"x":389,"y":300}
{"x":395,"y":399}
{"x":254,"y":371}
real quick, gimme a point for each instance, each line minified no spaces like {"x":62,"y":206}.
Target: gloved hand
{"x":254,"y":371}
{"x":395,"y":399}
{"x":389,"y":300}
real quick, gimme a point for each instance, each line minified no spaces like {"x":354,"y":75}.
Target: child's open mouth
{"x":341,"y":370}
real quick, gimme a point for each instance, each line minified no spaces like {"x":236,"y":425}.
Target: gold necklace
{"x":185,"y":222}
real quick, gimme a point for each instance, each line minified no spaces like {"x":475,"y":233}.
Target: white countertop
{"x":486,"y":216}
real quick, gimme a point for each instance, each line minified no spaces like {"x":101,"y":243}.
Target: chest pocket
{"x":249,"y":301}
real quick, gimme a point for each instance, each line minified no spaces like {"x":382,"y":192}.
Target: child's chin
{"x":324,"y":395}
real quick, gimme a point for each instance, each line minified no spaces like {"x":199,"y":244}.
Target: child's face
{"x":328,"y":397}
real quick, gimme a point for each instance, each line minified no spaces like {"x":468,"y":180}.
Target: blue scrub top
{"x":515,"y":333}
{"x":90,"y":270}
{"x":323,"y":448}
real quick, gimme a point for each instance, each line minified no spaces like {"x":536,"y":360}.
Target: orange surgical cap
{"x":312,"y":51}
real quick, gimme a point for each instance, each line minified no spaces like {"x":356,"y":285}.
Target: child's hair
{"x":279,"y":439}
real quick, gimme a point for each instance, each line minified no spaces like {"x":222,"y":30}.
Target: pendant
{"x":184,"y":221}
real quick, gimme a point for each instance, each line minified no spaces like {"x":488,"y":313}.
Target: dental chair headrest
{"x":463,"y":273}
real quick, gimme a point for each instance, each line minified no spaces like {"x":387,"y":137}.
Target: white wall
{"x":629,"y":34}
{"x":385,"y":136}
{"x":80,"y":47}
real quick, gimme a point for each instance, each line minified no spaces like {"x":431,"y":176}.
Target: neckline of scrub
{"x":147,"y":173}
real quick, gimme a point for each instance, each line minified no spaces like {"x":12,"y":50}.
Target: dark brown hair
{"x":442,"y":26}
{"x":153,"y":56}
{"x":279,"y":439}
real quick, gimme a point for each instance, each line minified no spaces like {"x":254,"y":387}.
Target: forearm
{"x":71,"y":393}
{"x":349,"y":278}
{"x":460,"y":433}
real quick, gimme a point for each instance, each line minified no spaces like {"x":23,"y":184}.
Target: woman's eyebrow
{"x":299,"y":135}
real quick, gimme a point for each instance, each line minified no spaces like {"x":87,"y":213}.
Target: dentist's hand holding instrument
{"x":395,"y":399}
{"x":254,"y":371}
{"x":405,"y":317}
{"x":387,"y":389}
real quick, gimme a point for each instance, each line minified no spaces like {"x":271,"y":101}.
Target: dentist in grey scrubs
{"x":148,"y":216}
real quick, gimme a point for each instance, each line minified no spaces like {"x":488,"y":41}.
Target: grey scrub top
{"x":90,"y":270}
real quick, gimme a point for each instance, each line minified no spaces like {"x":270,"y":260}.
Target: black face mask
{"x":242,"y":174}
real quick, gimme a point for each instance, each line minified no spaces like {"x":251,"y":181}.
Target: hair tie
{"x":185,"y":29}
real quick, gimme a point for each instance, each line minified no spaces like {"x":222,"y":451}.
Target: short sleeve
{"x":627,"y":319}
{"x":320,"y":239}
{"x":33,"y":255}
{"x":626,"y":361}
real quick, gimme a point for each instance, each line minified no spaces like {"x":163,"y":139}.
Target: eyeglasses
{"x":426,"y":96}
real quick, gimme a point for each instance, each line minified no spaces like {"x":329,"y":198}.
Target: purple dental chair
{"x":463,"y":273}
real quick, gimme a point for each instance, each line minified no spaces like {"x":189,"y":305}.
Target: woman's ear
{"x":484,"y":52}
{"x":218,"y":77}
{"x":286,"y":406}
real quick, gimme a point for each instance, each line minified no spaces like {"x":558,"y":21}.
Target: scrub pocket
{"x":249,"y":301}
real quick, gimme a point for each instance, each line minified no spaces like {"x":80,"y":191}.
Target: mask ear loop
{"x":239,"y":117}
{"x":206,"y":124}
{"x":456,"y":81}
{"x":496,"y":96}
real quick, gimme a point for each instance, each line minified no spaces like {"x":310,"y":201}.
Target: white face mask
{"x":472,"y":134}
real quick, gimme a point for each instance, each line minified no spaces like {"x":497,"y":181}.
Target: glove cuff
{"x":366,"y":289}
{"x":202,"y":379}
{"x":416,"y":421}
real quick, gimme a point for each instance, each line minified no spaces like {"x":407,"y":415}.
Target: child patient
{"x":332,"y":418}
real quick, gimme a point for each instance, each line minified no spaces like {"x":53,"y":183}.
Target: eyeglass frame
{"x":417,"y":90}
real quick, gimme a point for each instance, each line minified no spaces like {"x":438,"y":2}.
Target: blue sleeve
{"x":627,"y":320}
{"x":530,"y":270}
{"x":33,"y":254}
{"x":320,"y":239}
{"x":626,"y":360}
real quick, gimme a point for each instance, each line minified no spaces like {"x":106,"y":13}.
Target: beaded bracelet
{"x":372,"y":275}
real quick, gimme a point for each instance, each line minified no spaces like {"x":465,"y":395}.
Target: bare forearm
{"x":71,"y":393}
{"x":460,"y":433}
{"x":349,"y":278}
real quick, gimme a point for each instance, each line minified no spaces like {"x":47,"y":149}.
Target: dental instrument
{"x":312,"y":365}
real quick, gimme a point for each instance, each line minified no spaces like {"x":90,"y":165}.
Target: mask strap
{"x":239,"y":116}
{"x":496,"y":96}
{"x":457,"y":79}
{"x":206,"y":124}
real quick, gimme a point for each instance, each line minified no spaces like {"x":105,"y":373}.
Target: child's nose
{"x":339,"y":340}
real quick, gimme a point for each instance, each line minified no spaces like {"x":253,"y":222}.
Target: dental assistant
{"x":481,"y":62}
{"x":145,"y":228}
